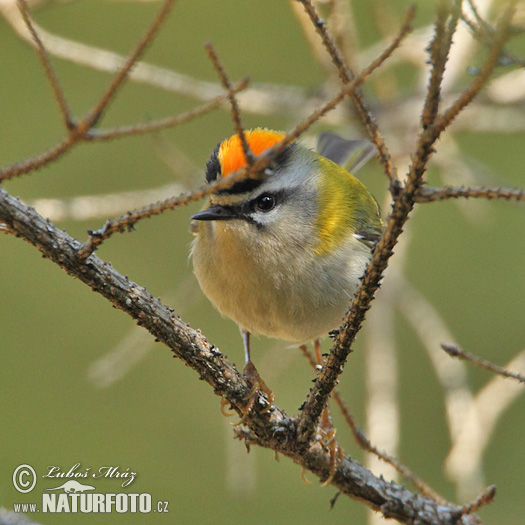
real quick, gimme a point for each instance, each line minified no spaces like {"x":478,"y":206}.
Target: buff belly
{"x":266,"y":290}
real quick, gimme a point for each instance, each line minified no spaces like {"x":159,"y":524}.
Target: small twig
{"x":94,"y":114}
{"x":455,"y":351}
{"x":236,"y":115}
{"x":486,"y":497}
{"x":428,"y":194}
{"x":156,"y":125}
{"x":439,"y":51}
{"x":33,"y":164}
{"x":50,"y":72}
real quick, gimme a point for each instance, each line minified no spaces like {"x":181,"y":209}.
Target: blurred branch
{"x":478,"y":425}
{"x":431,"y":329}
{"x":85,"y":207}
{"x":501,"y":36}
{"x":485,"y":33}
{"x":455,"y":351}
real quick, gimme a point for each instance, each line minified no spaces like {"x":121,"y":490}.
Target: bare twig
{"x":167,"y":122}
{"x":427,"y":194}
{"x":454,"y":351}
{"x":50,"y":72}
{"x":501,"y":36}
{"x":439,"y":50}
{"x":485,"y":34}
{"x":486,"y":497}
{"x":94,"y":114}
{"x":236,"y":115}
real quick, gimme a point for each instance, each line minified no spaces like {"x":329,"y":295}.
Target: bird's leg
{"x":327,"y":430}
{"x":252,"y":376}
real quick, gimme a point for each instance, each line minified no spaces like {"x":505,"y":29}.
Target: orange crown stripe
{"x":231,"y":156}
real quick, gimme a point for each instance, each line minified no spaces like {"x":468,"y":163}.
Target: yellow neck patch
{"x":231,"y":155}
{"x":345,"y":206}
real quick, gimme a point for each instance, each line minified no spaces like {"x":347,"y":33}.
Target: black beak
{"x":216,"y":213}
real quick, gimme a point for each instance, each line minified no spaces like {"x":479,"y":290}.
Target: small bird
{"x":282,"y":256}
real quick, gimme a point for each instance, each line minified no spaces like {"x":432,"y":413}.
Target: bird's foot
{"x":326,"y":435}
{"x":251,"y":375}
{"x":226,"y":408}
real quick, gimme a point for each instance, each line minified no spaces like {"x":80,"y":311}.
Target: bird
{"x":282,"y":255}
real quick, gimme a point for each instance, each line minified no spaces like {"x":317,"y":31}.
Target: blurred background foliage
{"x":63,"y":404}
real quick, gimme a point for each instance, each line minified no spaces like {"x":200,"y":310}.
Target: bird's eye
{"x":265,"y":202}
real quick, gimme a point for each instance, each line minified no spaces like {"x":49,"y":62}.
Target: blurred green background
{"x":158,"y":420}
